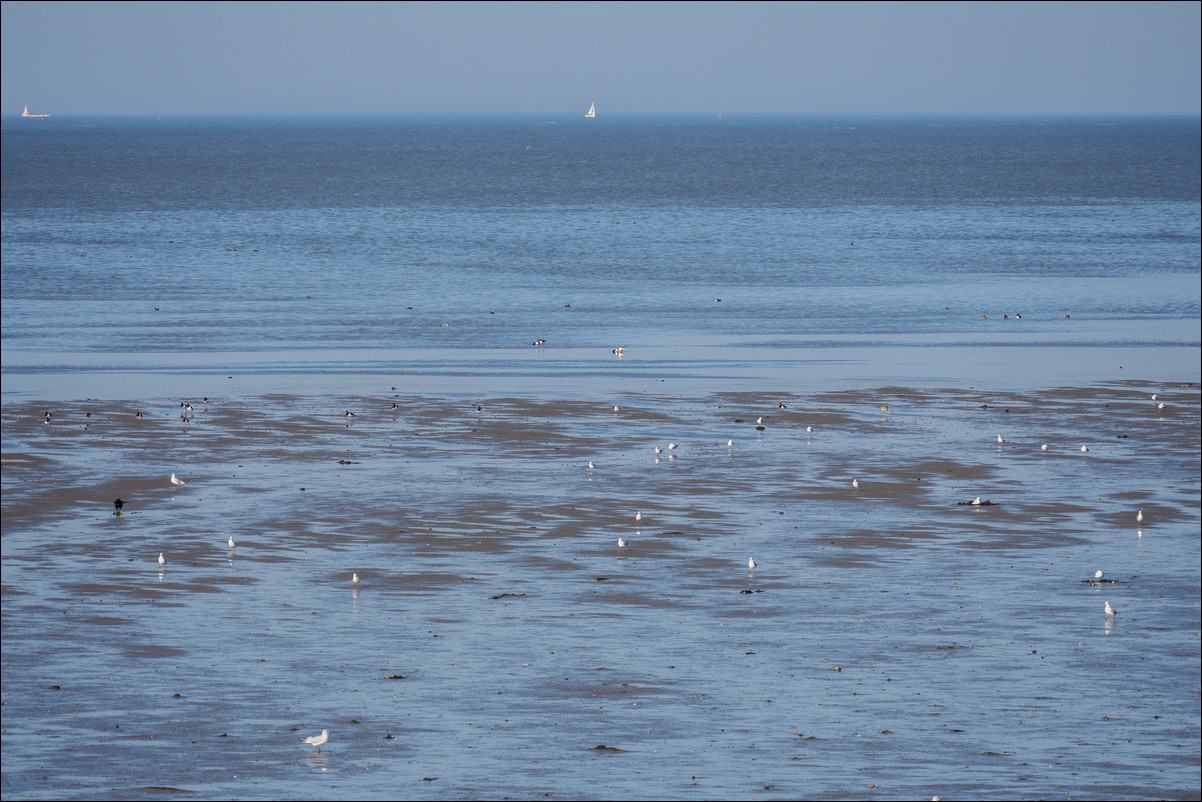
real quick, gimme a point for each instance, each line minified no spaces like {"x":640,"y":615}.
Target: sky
{"x":1040,"y":58}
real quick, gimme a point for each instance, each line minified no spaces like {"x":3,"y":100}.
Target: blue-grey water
{"x":141,"y":243}
{"x":876,"y":299}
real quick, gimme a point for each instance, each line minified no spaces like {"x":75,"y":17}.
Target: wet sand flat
{"x":894,"y":642}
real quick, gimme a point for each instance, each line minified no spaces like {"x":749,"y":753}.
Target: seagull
{"x":118,"y":504}
{"x":1153,"y":396}
{"x":591,"y":465}
{"x":231,"y":543}
{"x":809,"y":430}
{"x":1000,"y":440}
{"x":621,"y":543}
{"x":355,"y":580}
{"x":176,"y":482}
{"x":730,"y":443}
{"x":1098,"y":574}
{"x":657,"y":450}
{"x":162,"y":560}
{"x":1043,"y":447}
{"x":976,"y":502}
{"x":751,"y":563}
{"x":318,"y":740}
{"x":671,"y":446}
{"x":638,"y":516}
{"x":1160,"y":405}
{"x":1110,"y":611}
{"x":759,"y":421}
{"x":781,"y":405}
{"x":1139,"y":517}
{"x":1084,"y":449}
{"x":855,"y":483}
{"x":615,"y":407}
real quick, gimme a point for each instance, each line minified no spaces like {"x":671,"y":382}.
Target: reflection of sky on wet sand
{"x":890,"y":637}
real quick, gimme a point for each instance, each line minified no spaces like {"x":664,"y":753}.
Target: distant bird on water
{"x":176,"y":482}
{"x":48,"y":417}
{"x":1000,"y":440}
{"x":1110,"y":611}
{"x":1139,"y":517}
{"x":355,"y":580}
{"x":1099,"y":574}
{"x":855,"y":484}
{"x":540,"y":342}
{"x":317,"y":740}
{"x":162,"y":560}
{"x":117,"y":505}
{"x":621,"y":543}
{"x":750,"y":563}
{"x":231,"y":543}
{"x":638,"y":517}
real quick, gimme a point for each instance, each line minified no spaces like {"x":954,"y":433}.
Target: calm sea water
{"x":895,"y":642}
{"x":316,"y":245}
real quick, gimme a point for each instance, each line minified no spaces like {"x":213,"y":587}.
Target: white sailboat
{"x":592,"y":110}
{"x":35,"y":116}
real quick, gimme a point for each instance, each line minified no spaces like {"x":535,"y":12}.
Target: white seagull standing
{"x":1000,"y":440}
{"x":1139,"y":517}
{"x":1084,"y":449}
{"x":638,"y":517}
{"x":1098,"y":574}
{"x":162,"y":560}
{"x":231,"y":543}
{"x":621,"y":543}
{"x":751,"y":563}
{"x":176,"y":482}
{"x":1110,"y":611}
{"x":317,"y":740}
{"x":355,"y":580}
{"x":1043,"y":447}
{"x":855,"y":483}
{"x":591,"y":465}
{"x":976,"y":502}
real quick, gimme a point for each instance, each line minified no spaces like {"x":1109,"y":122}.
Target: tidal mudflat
{"x":893,"y":641}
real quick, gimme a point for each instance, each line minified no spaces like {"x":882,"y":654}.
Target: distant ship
{"x":592,"y":110}
{"x":35,"y":116}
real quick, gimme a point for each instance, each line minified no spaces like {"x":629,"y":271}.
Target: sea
{"x":277,"y":252}
{"x":479,"y":420}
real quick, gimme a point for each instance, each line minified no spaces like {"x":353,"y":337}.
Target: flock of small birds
{"x":319,"y":740}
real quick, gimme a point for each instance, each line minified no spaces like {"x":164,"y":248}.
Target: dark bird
{"x":118,"y":504}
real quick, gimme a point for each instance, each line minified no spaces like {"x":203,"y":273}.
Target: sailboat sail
{"x":592,"y":110}
{"x":37,"y":116}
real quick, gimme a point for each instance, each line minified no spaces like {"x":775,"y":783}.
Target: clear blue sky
{"x":554,"y":57}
